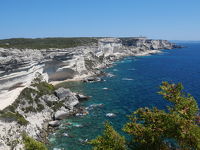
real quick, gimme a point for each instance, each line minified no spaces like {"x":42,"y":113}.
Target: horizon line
{"x":93,"y":37}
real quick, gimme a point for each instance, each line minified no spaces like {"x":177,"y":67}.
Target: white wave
{"x":128,"y":79}
{"x":110,"y":115}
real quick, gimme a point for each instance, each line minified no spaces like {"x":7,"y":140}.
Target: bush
{"x":154,"y":129}
{"x":30,"y":109}
{"x":40,"y":107}
{"x":32,"y":144}
{"x":10,"y":116}
{"x":45,"y":88}
{"x":110,"y":140}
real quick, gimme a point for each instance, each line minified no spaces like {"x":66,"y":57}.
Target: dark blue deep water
{"x":135,"y":84}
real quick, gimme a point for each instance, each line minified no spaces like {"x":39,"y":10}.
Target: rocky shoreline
{"x":30,"y":104}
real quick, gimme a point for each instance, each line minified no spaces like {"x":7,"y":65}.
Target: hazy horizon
{"x":97,"y":37}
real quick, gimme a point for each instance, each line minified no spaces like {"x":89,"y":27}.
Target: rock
{"x":54,"y":123}
{"x":83,"y":140}
{"x":92,"y":79}
{"x":82,"y":97}
{"x":65,"y":134}
{"x":49,"y":98}
{"x":69,"y":98}
{"x":61,"y":114}
{"x":110,"y":115}
{"x":62,"y":93}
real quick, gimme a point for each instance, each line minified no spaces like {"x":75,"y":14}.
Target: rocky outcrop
{"x":70,"y":100}
{"x":38,"y":107}
{"x":54,"y":123}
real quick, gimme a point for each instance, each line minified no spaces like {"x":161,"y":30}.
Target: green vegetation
{"x":10,"y":116}
{"x":31,"y":96}
{"x":28,"y":101}
{"x":44,"y":88}
{"x":40,"y":107}
{"x":154,"y":129}
{"x":46,"y":43}
{"x":110,"y":140}
{"x":31,"y":144}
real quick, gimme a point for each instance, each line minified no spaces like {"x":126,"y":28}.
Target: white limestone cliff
{"x":18,"y":67}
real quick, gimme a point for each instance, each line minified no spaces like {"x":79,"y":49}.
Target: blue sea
{"x":135,"y":84}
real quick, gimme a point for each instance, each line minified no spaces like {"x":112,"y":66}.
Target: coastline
{"x":88,"y":64}
{"x":81,"y":78}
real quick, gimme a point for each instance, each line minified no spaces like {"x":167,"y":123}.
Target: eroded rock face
{"x":32,"y":110}
{"x":18,"y":67}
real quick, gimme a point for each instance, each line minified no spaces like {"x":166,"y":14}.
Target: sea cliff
{"x":28,"y":71}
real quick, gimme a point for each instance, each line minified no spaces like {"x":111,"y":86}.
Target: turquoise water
{"x":134,"y":85}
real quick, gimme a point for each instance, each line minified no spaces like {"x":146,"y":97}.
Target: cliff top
{"x":46,"y":43}
{"x":58,"y":42}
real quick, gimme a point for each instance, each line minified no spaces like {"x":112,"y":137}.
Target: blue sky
{"x":165,"y":19}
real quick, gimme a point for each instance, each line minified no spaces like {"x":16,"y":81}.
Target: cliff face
{"x":18,"y":67}
{"x":37,"y":107}
{"x":147,"y":43}
{"x":34,"y":103}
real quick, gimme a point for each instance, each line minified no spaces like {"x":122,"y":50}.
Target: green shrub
{"x":11,"y":108}
{"x":110,"y":140}
{"x":32,"y":144}
{"x":45,"y":88}
{"x":10,"y":116}
{"x":57,"y":105}
{"x":40,"y":107}
{"x":154,"y":129}
{"x":26,"y":94}
{"x":30,"y":109}
{"x":49,"y":103}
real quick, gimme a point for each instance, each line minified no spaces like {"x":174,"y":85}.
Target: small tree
{"x":154,"y":129}
{"x":110,"y":140}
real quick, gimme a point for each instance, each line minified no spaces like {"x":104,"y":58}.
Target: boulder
{"x":82,"y":97}
{"x":54,"y":123}
{"x":69,"y":99}
{"x":61,"y":114}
